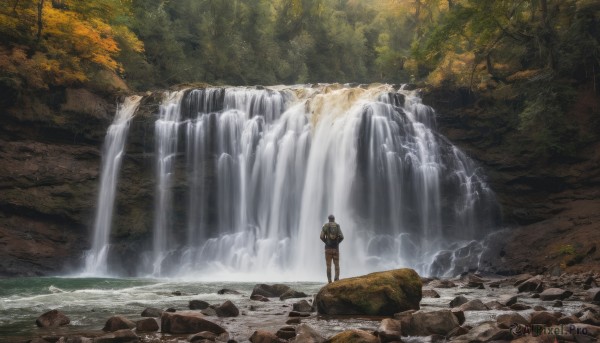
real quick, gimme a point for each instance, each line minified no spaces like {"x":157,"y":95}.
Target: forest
{"x":543,"y":50}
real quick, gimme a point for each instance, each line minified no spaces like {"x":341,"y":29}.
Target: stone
{"x":201,"y":336}
{"x":429,"y":323}
{"x":378,"y":294}
{"x":459,"y":331}
{"x":152,"y":312}
{"x":262,"y":336}
{"x":299,"y":314}
{"x":473,"y":305}
{"x":519,"y":279}
{"x":227,"y":309}
{"x":38,"y":340}
{"x":519,"y":307}
{"x":227,"y":291}
{"x":306,"y":334}
{"x":292,"y":321}
{"x":292,"y":294}
{"x":485,"y":332}
{"x":116,"y":323}
{"x":302,"y":306}
{"x":534,"y":284}
{"x":555,"y":294}
{"x":176,"y":293}
{"x":494,"y":284}
{"x":170,"y":310}
{"x":593,"y":294}
{"x":52,"y":318}
{"x":557,"y":303}
{"x":475,"y":281}
{"x":460,"y":315}
{"x":72,"y":339}
{"x":270,"y":291}
{"x":543,"y":318}
{"x":389,"y":330}
{"x":508,"y":299}
{"x":259,"y":297}
{"x":198,"y":305}
{"x":209,"y":311}
{"x":506,"y":320}
{"x":458,"y":300}
{"x":494,"y":305}
{"x":442,"y":284}
{"x":589,"y":317}
{"x":539,"y":308}
{"x":146,"y":325}
{"x":430,"y":293}
{"x":353,"y":336}
{"x":286,"y":332}
{"x":187,"y":322}
{"x":119,"y":336}
{"x":568,"y":320}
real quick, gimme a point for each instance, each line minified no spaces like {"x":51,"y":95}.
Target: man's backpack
{"x":333,"y":232}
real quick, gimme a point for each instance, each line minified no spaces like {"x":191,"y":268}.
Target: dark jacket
{"x":331,"y":235}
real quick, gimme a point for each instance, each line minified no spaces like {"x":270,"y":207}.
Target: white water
{"x":264,"y":168}
{"x":112,"y":156}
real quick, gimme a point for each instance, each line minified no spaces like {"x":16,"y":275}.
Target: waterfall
{"x":112,"y":156}
{"x":261,"y":169}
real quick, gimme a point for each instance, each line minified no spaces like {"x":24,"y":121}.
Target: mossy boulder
{"x":376,"y":294}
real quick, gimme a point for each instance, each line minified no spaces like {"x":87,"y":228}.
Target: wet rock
{"x":270,"y":291}
{"x":590,"y":317}
{"x":557,"y":303}
{"x":198,"y":305}
{"x":116,"y":323}
{"x":286,"y":332}
{"x":259,"y":297}
{"x":292,"y":294}
{"x":535,"y":296}
{"x":543,"y":318}
{"x":430,"y":293}
{"x":494,"y":284}
{"x":429,"y":323}
{"x":519,"y":307}
{"x":293,"y":321}
{"x":508,"y":299}
{"x":227,"y":309}
{"x":459,"y":331}
{"x":176,"y":293}
{"x":458,"y":300}
{"x":473,"y":305}
{"x":555,"y":294}
{"x":38,"y":340}
{"x":120,"y":336}
{"x":382,"y":293}
{"x":52,"y":318}
{"x":209,"y":311}
{"x":534,"y":284}
{"x":146,"y":325}
{"x":306,"y":334}
{"x":475,"y":281}
{"x":227,"y":291}
{"x":202,"y":336}
{"x":389,"y":330}
{"x":354,"y":336}
{"x":539,"y":308}
{"x":568,"y":320}
{"x":152,"y":312}
{"x":460,"y":315}
{"x":593,"y":294}
{"x":494,"y":305}
{"x":506,"y":320}
{"x":262,"y":336}
{"x":442,"y":284}
{"x":521,"y":278}
{"x":486,"y":332}
{"x":187,"y":322}
{"x":299,"y":314}
{"x":170,"y":310}
{"x":72,"y":339}
{"x":302,"y":306}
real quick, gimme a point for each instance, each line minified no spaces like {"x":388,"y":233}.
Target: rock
{"x":72,"y":339}
{"x":291,"y":294}
{"x":382,"y":293}
{"x":202,"y":336}
{"x":389,"y":330}
{"x":557,"y":303}
{"x":306,"y":334}
{"x":475,"y":282}
{"x":176,"y":293}
{"x":38,"y":340}
{"x":535,"y":296}
{"x":506,"y":320}
{"x":170,"y":310}
{"x":227,"y":291}
{"x":590,"y":317}
{"x":52,"y":318}
{"x":198,"y":305}
{"x":519,"y":307}
{"x":430,"y":293}
{"x":458,"y":300}
{"x":116,"y":323}
{"x":286,"y":332}
{"x":543,"y":318}
{"x":262,"y":336}
{"x":270,"y":291}
{"x":299,"y":314}
{"x":227,"y":309}
{"x":555,"y":294}
{"x":568,"y":320}
{"x":146,"y":325}
{"x":353,"y":336}
{"x":209,"y":311}
{"x":534,"y":284}
{"x":486,"y":332}
{"x":494,"y":305}
{"x":120,"y":336}
{"x":539,"y":308}
{"x":473,"y":305}
{"x":302,"y":306}
{"x":152,"y":312}
{"x":593,"y":294}
{"x":508,"y":299}
{"x":459,"y":331}
{"x":258,"y":297}
{"x":460,"y":315}
{"x":442,"y":284}
{"x":494,"y":284}
{"x":187,"y":322}
{"x":519,"y":279}
{"x":429,"y":323}
{"x":295,"y":320}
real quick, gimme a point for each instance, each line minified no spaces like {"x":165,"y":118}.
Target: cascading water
{"x":264,"y":167}
{"x":112,"y":156}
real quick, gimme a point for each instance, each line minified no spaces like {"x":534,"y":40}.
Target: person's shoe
{"x":336,"y":279}
{"x":329,"y":281}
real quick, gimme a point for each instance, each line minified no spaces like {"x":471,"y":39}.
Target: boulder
{"x":568,"y":320}
{"x":198,"y":305}
{"x":299,"y":314}
{"x":306,"y":334}
{"x":519,"y":307}
{"x":292,"y":294}
{"x":209,"y":311}
{"x":557,"y":303}
{"x":116,"y":323}
{"x":543,"y":318}
{"x":506,"y":320}
{"x":494,"y":305}
{"x":519,"y":279}
{"x":459,"y":331}
{"x":227,"y":309}
{"x":555,"y":294}
{"x":475,"y":281}
{"x":382,"y":293}
{"x":460,"y":315}
{"x":473,"y":305}
{"x":146,"y":325}
{"x":262,"y":336}
{"x":507,"y":299}
{"x":286,"y":332}
{"x":302,"y":306}
{"x":353,"y":336}
{"x":486,"y":332}
{"x":202,"y":336}
{"x":120,"y":336}
{"x":293,"y":321}
{"x":52,"y":318}
{"x":259,"y":297}
{"x":227,"y":291}
{"x":589,"y":317}
{"x":171,"y":310}
{"x":430,"y":293}
{"x":152,"y":312}
{"x":187,"y":322}
{"x":593,"y":294}
{"x":534,"y":284}
{"x":389,"y":330}
{"x":442,"y":284}
{"x":429,"y":323}
{"x":458,"y":300}
{"x":270,"y":291}
{"x":71,"y":339}
{"x":539,"y":308}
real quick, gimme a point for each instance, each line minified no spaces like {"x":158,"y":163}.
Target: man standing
{"x":331,"y":235}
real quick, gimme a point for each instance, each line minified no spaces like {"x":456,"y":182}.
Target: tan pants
{"x":332,"y":254}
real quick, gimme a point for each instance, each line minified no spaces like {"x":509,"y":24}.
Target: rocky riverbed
{"x":471,"y":308}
